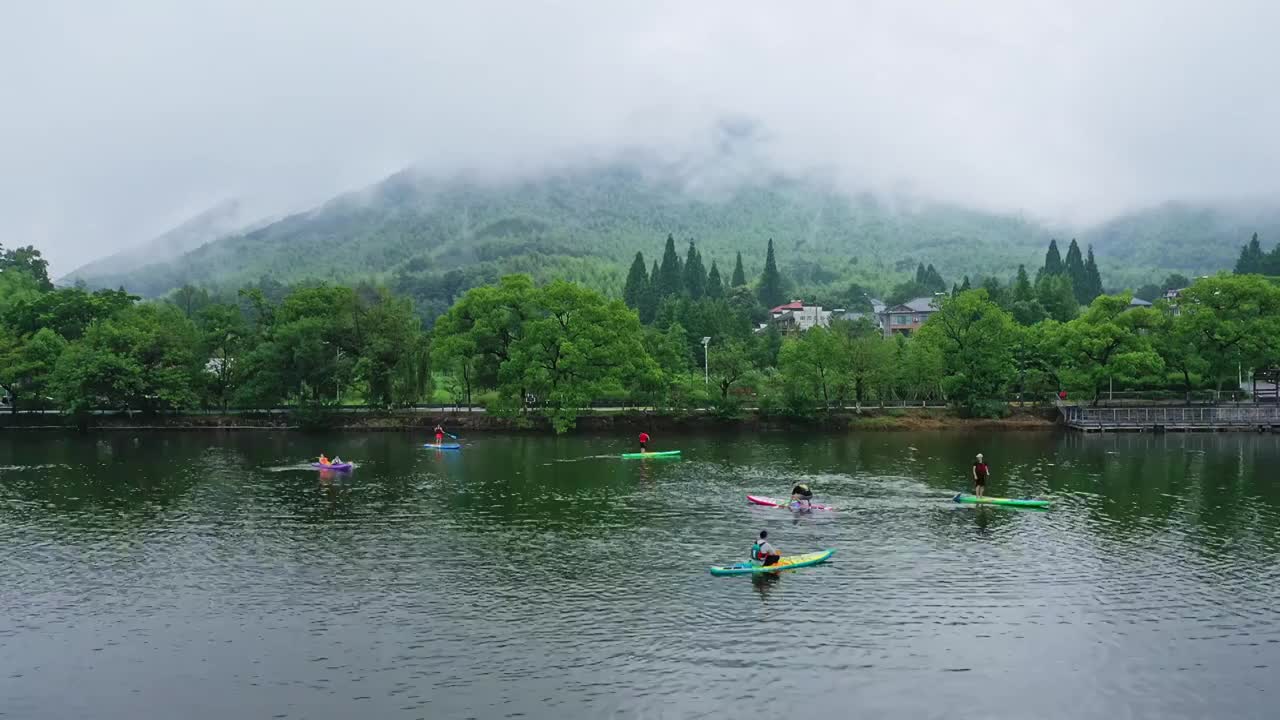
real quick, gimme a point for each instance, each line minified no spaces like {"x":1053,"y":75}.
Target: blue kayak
{"x":443,"y":446}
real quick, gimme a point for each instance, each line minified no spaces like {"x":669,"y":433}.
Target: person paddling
{"x":439,"y":434}
{"x":802,"y":497}
{"x":644,"y":441}
{"x":980,"y":473}
{"x":762,"y":553}
{"x":324,"y":460}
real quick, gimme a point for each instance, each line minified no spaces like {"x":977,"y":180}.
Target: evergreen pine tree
{"x":771,"y":291}
{"x":1271,"y":262}
{"x":650,"y":309}
{"x":933,"y":280}
{"x":1092,"y":278}
{"x":965,"y":285}
{"x":1075,"y":270}
{"x":1022,"y":290}
{"x":695,"y":275}
{"x":739,"y":275}
{"x":994,"y":291}
{"x":1251,"y":258}
{"x":670,"y":281}
{"x":1052,"y":261}
{"x":921,"y":277}
{"x":636,"y":290}
{"x":715,"y":289}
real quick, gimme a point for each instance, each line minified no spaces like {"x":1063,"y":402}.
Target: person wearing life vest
{"x":324,"y":460}
{"x":762,"y":553}
{"x":801,"y":497}
{"x":439,"y":435}
{"x":980,"y":472}
{"x":644,"y":441}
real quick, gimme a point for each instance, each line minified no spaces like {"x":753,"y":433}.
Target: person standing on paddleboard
{"x":644,"y":441}
{"x":980,"y":473}
{"x":762,"y":553}
{"x":439,"y":434}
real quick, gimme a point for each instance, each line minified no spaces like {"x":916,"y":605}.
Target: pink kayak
{"x":774,"y":502}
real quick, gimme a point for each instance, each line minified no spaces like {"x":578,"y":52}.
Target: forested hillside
{"x":219,"y":221}
{"x":433,"y":239}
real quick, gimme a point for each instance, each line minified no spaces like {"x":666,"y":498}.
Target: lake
{"x":215,"y":575}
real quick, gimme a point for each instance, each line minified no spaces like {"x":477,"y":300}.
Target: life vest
{"x":757,"y":552}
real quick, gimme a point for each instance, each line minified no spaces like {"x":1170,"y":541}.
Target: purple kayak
{"x":333,"y":466}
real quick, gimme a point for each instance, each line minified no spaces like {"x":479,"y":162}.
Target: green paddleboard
{"x":1017,"y":502}
{"x":640,"y":456}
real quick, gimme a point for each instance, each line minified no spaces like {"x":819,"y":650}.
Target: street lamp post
{"x":706,"y":361}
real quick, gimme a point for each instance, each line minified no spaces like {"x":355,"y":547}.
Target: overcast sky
{"x":120,"y":118}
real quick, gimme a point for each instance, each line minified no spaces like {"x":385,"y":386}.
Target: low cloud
{"x":122,"y":119}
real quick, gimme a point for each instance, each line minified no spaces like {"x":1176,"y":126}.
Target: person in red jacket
{"x":644,"y":442}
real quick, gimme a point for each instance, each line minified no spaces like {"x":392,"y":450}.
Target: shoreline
{"x":869,"y":420}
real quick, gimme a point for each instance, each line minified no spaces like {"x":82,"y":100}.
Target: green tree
{"x":142,"y":359}
{"x":1022,"y":289}
{"x":190,"y":299}
{"x":1092,"y":278}
{"x":66,"y":311}
{"x":715,"y":288}
{"x":965,"y":285}
{"x":475,"y":336}
{"x":1251,"y":258}
{"x":26,"y":365}
{"x":1052,"y":261}
{"x":964,"y":333}
{"x":224,"y":337}
{"x":1110,"y":340}
{"x":868,"y":360}
{"x":695,"y":274}
{"x":670,"y":279}
{"x":1235,"y":322}
{"x":906,"y":291}
{"x":574,"y":346}
{"x":739,"y":278}
{"x":1056,"y":296}
{"x":635,"y":293}
{"x":772,"y":292}
{"x":729,"y":366}
{"x":28,"y":261}
{"x":1173,"y":336}
{"x":816,"y":362}
{"x":1074,"y":268}
{"x":391,"y":361}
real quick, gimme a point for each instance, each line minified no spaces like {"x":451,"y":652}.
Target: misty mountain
{"x":218,"y":221}
{"x":433,"y":238}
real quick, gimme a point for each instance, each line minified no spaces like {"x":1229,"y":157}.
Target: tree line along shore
{"x":680,"y":340}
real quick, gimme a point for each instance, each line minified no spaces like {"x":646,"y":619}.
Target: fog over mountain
{"x":125,"y":119}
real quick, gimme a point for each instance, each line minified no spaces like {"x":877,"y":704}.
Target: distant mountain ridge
{"x":219,"y":221}
{"x":587,"y":223}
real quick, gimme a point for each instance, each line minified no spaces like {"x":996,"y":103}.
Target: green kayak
{"x":639,"y":456}
{"x":1018,"y":502}
{"x":788,"y":562}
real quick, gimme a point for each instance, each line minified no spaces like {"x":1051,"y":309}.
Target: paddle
{"x":455,"y":437}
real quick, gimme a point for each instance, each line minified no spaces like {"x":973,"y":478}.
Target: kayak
{"x":638,"y":456}
{"x":443,"y":446}
{"x":774,"y":502}
{"x":334,"y":466}
{"x":1017,"y":502}
{"x":788,"y":562}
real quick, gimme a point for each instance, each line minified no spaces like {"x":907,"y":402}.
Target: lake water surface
{"x":210,"y":576}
